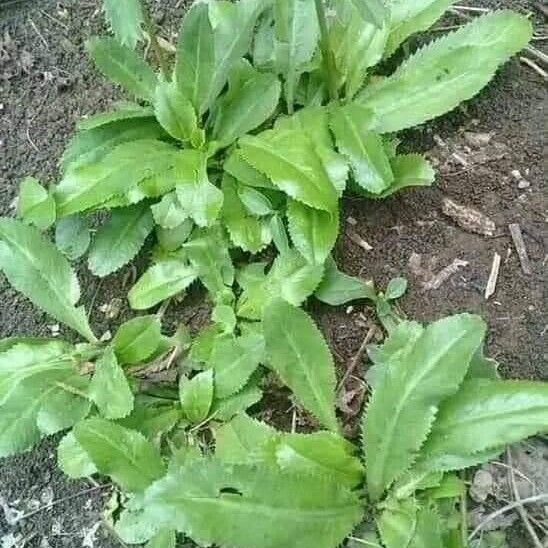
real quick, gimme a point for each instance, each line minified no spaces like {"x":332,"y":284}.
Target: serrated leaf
{"x":481,"y":418}
{"x":137,"y":339}
{"x":175,"y":111}
{"x":338,"y":288}
{"x":88,"y":186}
{"x":196,"y":395}
{"x":233,"y":26}
{"x":93,"y":144}
{"x":36,"y":268}
{"x":428,"y":532}
{"x":356,"y":45}
{"x":198,"y":197}
{"x":234,"y":359}
{"x":372,"y":11}
{"x":482,"y":367}
{"x":65,"y":406}
{"x":409,"y":170}
{"x":72,"y":236}
{"x":290,"y":277}
{"x":35,"y":205}
{"x":225,"y":409}
{"x":202,"y":345}
{"x":125,"y":18}
{"x":165,"y":538}
{"x":195,"y":56}
{"x":124,"y":455}
{"x":246,"y":105}
{"x":215,"y":503}
{"x":407,"y":18}
{"x":23,"y":360}
{"x":299,"y":354}
{"x":290,"y":160}
{"x":172,"y":239}
{"x":364,"y":148}
{"x":225,"y":317}
{"x":313,"y":232}
{"x":246,"y":231}
{"x":161,"y":281}
{"x":397,"y":522}
{"x":446,"y":72}
{"x":124,"y":111}
{"x":109,"y":388}
{"x":168,"y":212}
{"x":123,"y":66}
{"x":244,"y":172}
{"x":412,"y":388}
{"x":296,"y":32}
{"x":120,"y":239}
{"x":208,"y":253}
{"x":254,"y":201}
{"x":72,"y":459}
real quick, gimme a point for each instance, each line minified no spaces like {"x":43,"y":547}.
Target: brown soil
{"x":46,"y":84}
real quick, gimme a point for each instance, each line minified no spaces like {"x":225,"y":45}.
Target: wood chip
{"x":358,"y":240}
{"x":444,"y":274}
{"x":493,"y":276}
{"x":467,"y":218}
{"x":517,"y":238}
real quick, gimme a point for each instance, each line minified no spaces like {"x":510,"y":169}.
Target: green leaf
{"x":89,"y":186}
{"x":65,"y":406}
{"x":195,"y":56}
{"x":372,"y":11}
{"x":109,"y":388}
{"x":404,"y":403}
{"x":72,"y":236}
{"x":175,"y":111}
{"x":161,"y":281}
{"x":196,"y":396}
{"x":290,"y":160}
{"x":338,"y":288}
{"x":234,"y":360}
{"x":290,"y":277}
{"x":407,"y":18}
{"x":165,"y":538}
{"x":395,"y":289}
{"x":120,"y":239}
{"x":207,"y":252}
{"x":428,"y":532}
{"x":92,"y":145}
{"x":72,"y":459}
{"x":299,"y":354}
{"x":296,"y":31}
{"x":409,"y":170}
{"x":36,"y":268}
{"x":124,"y":455}
{"x":244,"y":172}
{"x":446,"y":72}
{"x":35,"y":205}
{"x":246,"y":105}
{"x":125,"y":18}
{"x":137,"y":339}
{"x":171,"y":239}
{"x":23,"y":360}
{"x":397,"y":522}
{"x":313,"y":232}
{"x":123,"y":66}
{"x":198,"y":198}
{"x":254,"y":201}
{"x":484,"y":416}
{"x":224,"y":316}
{"x":225,"y":409}
{"x":246,"y":231}
{"x":249,"y":506}
{"x":125,"y":111}
{"x":168,"y":212}
{"x":364,"y":148}
{"x":482,"y":367}
{"x":233,"y":26}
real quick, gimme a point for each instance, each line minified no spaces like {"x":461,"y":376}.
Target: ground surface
{"x":46,"y":84}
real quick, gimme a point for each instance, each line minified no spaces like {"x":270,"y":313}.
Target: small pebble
{"x":524,"y":184}
{"x":477,"y":140}
{"x":516,"y":174}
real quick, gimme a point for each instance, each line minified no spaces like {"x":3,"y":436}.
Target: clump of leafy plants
{"x":272,"y":110}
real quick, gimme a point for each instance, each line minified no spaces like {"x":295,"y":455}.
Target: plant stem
{"x":327,"y":53}
{"x":464,"y":513}
{"x":158,"y":53}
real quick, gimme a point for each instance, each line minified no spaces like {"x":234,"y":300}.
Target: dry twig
{"x":493,"y":276}
{"x":358,"y":356}
{"x":517,"y":238}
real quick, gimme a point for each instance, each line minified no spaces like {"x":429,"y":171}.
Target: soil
{"x":47,"y":84}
